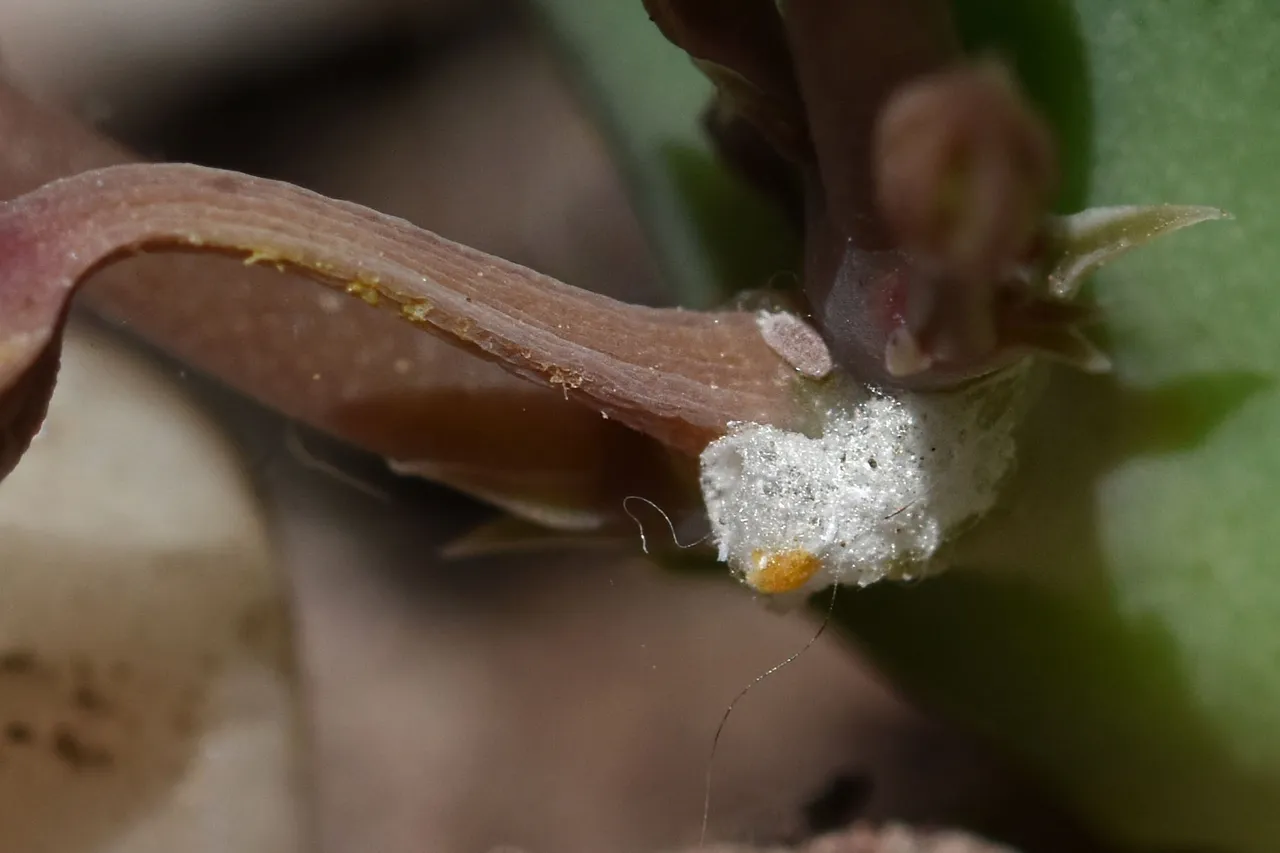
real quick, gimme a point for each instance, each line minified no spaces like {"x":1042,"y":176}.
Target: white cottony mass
{"x":887,"y":482}
{"x":884,"y":481}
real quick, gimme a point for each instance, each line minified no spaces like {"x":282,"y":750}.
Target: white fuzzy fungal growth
{"x":889,"y":480}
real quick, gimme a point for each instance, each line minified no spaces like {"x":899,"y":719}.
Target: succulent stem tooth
{"x":903,"y":355}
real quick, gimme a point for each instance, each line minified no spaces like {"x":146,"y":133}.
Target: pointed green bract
{"x":1082,"y":242}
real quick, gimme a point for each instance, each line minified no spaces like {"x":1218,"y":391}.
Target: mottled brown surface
{"x":679,"y":376}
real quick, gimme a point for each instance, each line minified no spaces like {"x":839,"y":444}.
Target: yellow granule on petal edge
{"x":782,"y":571}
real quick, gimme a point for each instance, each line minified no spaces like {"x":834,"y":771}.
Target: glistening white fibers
{"x":644,"y":541}
{"x":886,"y":484}
{"x":715,"y":740}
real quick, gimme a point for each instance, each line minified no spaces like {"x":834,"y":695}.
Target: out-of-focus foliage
{"x":1115,"y":625}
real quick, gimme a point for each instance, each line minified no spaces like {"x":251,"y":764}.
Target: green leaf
{"x":1119,"y":625}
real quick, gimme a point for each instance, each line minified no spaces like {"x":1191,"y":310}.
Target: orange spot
{"x":782,"y":571}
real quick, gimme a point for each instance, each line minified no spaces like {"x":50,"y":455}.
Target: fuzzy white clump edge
{"x":876,"y":493}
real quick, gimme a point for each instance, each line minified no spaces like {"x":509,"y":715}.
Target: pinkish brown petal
{"x":848,"y":57}
{"x":337,"y":364}
{"x":678,"y":376}
{"x":964,"y":170}
{"x":741,"y":46}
